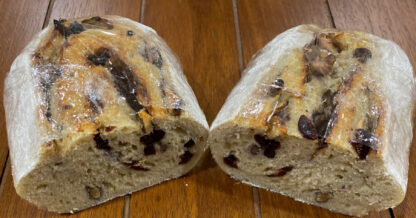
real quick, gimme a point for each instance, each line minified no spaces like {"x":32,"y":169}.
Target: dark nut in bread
{"x":94,"y":192}
{"x":362,"y":54}
{"x":322,"y":197}
{"x":255,"y":149}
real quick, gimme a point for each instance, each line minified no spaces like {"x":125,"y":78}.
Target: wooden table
{"x":215,"y":40}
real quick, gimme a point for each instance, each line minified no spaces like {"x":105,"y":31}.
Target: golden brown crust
{"x":328,"y":82}
{"x":85,"y":67}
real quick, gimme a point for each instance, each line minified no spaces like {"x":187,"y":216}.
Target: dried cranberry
{"x":269,"y":152}
{"x":189,"y":144}
{"x":185,"y":157}
{"x":266,"y":143}
{"x":100,"y":143}
{"x":158,"y":135}
{"x":127,"y":83}
{"x":155,"y":136}
{"x":133,"y":165}
{"x":270,"y":146}
{"x":146,"y":139}
{"x":109,"y":128}
{"x":139,"y":168}
{"x":149,"y":150}
{"x":363,"y":142}
{"x":361,"y":150}
{"x":282,"y":171}
{"x":261,"y":140}
{"x":231,"y":161}
{"x":306,"y":128}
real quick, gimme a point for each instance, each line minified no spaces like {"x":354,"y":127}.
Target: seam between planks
{"x":391,"y":212}
{"x":238,"y":38}
{"x":256,"y":202}
{"x":330,"y":14}
{"x":3,"y":179}
{"x":126,"y":209}
{"x":142,"y":7}
{"x":3,"y":173}
{"x":48,"y":13}
{"x":255,"y":191}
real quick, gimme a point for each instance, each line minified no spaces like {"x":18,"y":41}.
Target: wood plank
{"x":14,"y":206}
{"x":390,"y":19}
{"x":260,"y":22}
{"x":85,"y":8}
{"x":394,"y":20}
{"x":202,"y":34}
{"x":19,"y":22}
{"x":18,"y":207}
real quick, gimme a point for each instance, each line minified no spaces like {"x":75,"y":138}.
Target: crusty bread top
{"x":89,"y":73}
{"x":86,"y":65}
{"x":346,"y":89}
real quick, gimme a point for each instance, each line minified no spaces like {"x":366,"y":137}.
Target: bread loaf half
{"x":96,"y":108}
{"x":322,"y":116}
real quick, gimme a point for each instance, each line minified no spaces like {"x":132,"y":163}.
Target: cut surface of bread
{"x":322,"y":116}
{"x":96,"y":108}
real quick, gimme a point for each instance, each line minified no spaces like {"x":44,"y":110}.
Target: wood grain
{"x":394,"y":20}
{"x":85,"y":8}
{"x":260,"y":22}
{"x":19,"y":23}
{"x":202,"y":34}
